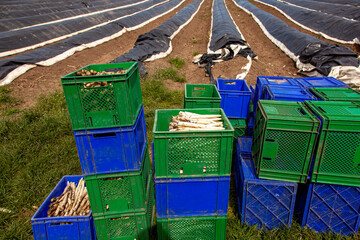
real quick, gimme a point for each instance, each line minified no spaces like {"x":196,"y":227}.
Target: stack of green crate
{"x":284,"y":140}
{"x":107,"y":117}
{"x":337,"y":159}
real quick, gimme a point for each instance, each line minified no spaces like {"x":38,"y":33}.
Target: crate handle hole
{"x":100,"y":135}
{"x":117,"y":218}
{"x":113,"y":178}
{"x":199,"y":88}
{"x":107,"y":206}
{"x":61,"y":223}
{"x":230,"y":83}
{"x":270,"y":140}
{"x":181,"y":170}
{"x":268,"y":159}
{"x":95,"y":84}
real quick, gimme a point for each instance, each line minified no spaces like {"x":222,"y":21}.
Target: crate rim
{"x":312,"y":105}
{"x":189,"y":133}
{"x":316,"y":92}
{"x":187,"y":98}
{"x":243,"y":92}
{"x":298,"y":97}
{"x":330,"y":79}
{"x":35,"y":219}
{"x":95,"y":78}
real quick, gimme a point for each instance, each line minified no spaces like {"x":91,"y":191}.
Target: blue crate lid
{"x":243,"y":144}
{"x":321,"y":82}
{"x":285,"y":93}
{"x":232,"y":86}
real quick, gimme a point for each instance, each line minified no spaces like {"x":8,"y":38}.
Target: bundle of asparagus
{"x":74,"y":201}
{"x":187,"y":121}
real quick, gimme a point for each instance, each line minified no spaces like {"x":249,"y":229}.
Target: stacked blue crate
{"x":285,"y":93}
{"x":321,"y":82}
{"x":266,"y":203}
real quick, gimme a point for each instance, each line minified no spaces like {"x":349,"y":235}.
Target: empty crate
{"x":337,"y":159}
{"x":284,"y":139}
{"x":205,"y":227}
{"x":191,"y":153}
{"x":119,"y":192}
{"x":111,"y":150}
{"x":285,"y":93}
{"x":336,"y":94}
{"x":201,"y":96}
{"x":235,"y":97}
{"x":327,"y":207}
{"x":320,"y":82}
{"x":266,"y":203}
{"x":103,"y":101}
{"x":66,"y":227}
{"x":263,"y":81}
{"x":133,"y":225}
{"x":185,"y":197}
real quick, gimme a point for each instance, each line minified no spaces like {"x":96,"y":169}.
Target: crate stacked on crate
{"x":336,"y":94}
{"x":235,"y":100}
{"x":266,"y":203}
{"x":330,"y":201}
{"x":192,"y":177}
{"x":107,"y":116}
{"x":201,"y":96}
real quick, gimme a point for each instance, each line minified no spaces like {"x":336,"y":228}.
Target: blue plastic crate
{"x":110,"y":150}
{"x":285,"y":93}
{"x":235,"y":97}
{"x":327,"y":207}
{"x":186,"y":197}
{"x":252,"y":89}
{"x":244,"y":145}
{"x":250,"y":124}
{"x":321,"y":82}
{"x":62,"y":228}
{"x":263,"y":81}
{"x":266,"y":203}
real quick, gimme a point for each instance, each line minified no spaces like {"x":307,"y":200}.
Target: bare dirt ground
{"x":192,"y":38}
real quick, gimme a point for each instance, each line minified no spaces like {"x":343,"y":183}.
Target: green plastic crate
{"x":119,"y":192}
{"x":127,"y":226}
{"x":115,"y":105}
{"x":209,"y":228}
{"x":191,"y":153}
{"x":284,"y":140}
{"x":239,"y":125}
{"x":337,"y":159}
{"x":336,"y":94}
{"x":201,"y":96}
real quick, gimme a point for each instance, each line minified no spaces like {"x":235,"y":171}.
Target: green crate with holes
{"x":191,"y":153}
{"x":336,"y":94}
{"x":201,"y":96}
{"x":185,"y":228}
{"x":103,"y":101}
{"x":128,"y":226}
{"x":119,"y":192}
{"x":284,"y":140}
{"x":337,"y":159}
{"x":239,"y":125}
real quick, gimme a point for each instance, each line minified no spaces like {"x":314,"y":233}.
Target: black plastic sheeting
{"x":309,"y":49}
{"x":42,"y":54}
{"x":158,"y":40}
{"x":11,"y":23}
{"x":345,"y":2}
{"x":18,"y":39}
{"x":341,"y":10}
{"x":224,"y":32}
{"x":333,"y":26}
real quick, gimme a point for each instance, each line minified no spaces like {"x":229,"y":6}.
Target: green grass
{"x":7,"y":102}
{"x":195,"y":53}
{"x":38,"y":148}
{"x":177,"y":62}
{"x":169,"y":73}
